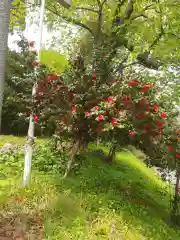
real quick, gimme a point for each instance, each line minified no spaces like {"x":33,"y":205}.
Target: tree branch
{"x":139,"y":15}
{"x":155,"y":42}
{"x":145,"y":58}
{"x":130,"y":64}
{"x":148,"y":61}
{"x":86,"y":9}
{"x":118,"y":8}
{"x":71,"y":20}
{"x":103,"y":2}
{"x":129,"y":10}
{"x":178,"y":37}
{"x":98,"y":2}
{"x":99,"y":21}
{"x":100,"y":16}
{"x":127,"y":14}
{"x":142,"y":14}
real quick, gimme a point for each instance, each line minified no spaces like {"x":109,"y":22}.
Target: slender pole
{"x":26,"y":31}
{"x":30,"y":141}
{"x":42,"y":9}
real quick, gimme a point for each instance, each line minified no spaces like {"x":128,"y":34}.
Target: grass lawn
{"x":15,"y":140}
{"x":124,"y":200}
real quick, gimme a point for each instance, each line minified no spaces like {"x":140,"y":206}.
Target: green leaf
{"x":54,"y":60}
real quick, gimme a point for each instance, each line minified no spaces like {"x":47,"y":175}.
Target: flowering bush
{"x":86,"y":103}
{"x":80,"y":114}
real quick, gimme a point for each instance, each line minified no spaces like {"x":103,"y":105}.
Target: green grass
{"x":124,"y":200}
{"x":15,"y":140}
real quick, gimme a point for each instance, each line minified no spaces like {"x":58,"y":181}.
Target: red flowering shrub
{"x":82,"y":110}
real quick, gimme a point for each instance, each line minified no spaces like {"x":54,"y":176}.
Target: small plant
{"x":48,"y":159}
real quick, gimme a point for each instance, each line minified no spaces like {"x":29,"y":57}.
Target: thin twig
{"x":71,"y":20}
{"x":86,"y":9}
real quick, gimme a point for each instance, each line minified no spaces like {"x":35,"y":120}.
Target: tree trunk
{"x":72,"y":153}
{"x":4,"y":30}
{"x":111,"y":153}
{"x":84,"y":146}
{"x":176,"y":196}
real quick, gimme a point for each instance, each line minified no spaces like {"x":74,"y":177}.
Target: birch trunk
{"x":4,"y":30}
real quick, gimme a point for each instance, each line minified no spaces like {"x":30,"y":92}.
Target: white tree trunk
{"x":5,"y":6}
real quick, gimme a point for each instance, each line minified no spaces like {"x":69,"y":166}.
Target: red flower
{"x":52,"y":77}
{"x":94,"y":76}
{"x":114,"y":122}
{"x":100,"y":117}
{"x":170,"y":148}
{"x":133,"y":83}
{"x":177,"y":155}
{"x":160,"y":126}
{"x":163,"y":115}
{"x":156,"y":108}
{"x":86,"y":114}
{"x":36,"y":118}
{"x":97,"y":107}
{"x":146,"y":88}
{"x":131,"y":134}
{"x":73,"y":108}
{"x":31,"y":43}
{"x":110,"y":99}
